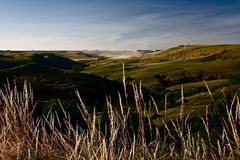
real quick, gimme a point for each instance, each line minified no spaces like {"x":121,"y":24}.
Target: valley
{"x":195,"y":67}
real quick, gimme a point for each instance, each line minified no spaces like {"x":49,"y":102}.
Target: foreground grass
{"x":51,"y":137}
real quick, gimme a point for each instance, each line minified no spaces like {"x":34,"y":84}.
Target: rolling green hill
{"x":56,"y":74}
{"x":53,"y":76}
{"x":183,"y":62}
{"x":164,"y":73}
{"x":195,"y":51}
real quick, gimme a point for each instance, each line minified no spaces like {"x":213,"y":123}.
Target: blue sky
{"x":116,"y":25}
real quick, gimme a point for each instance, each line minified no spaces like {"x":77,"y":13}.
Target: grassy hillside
{"x":53,"y":76}
{"x":194,"y":51}
{"x":161,"y":74}
{"x":164,"y":73}
{"x":175,"y":114}
{"x":173,"y":62}
{"x":221,"y":61}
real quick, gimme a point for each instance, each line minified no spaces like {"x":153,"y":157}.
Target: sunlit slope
{"x":196,"y":51}
{"x":210,"y":62}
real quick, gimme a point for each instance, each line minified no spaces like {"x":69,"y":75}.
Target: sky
{"x":116,"y":24}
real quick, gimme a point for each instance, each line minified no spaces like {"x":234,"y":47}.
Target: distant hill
{"x":113,"y":54}
{"x":53,"y":75}
{"x":174,"y":66}
{"x":53,"y":60}
{"x":79,"y":56}
{"x":195,"y":51}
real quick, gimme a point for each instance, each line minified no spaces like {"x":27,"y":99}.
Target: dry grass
{"x":24,"y":137}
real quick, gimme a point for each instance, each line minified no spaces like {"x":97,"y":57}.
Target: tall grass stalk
{"x":24,"y":137}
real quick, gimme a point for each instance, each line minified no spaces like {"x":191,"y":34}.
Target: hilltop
{"x":195,"y":52}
